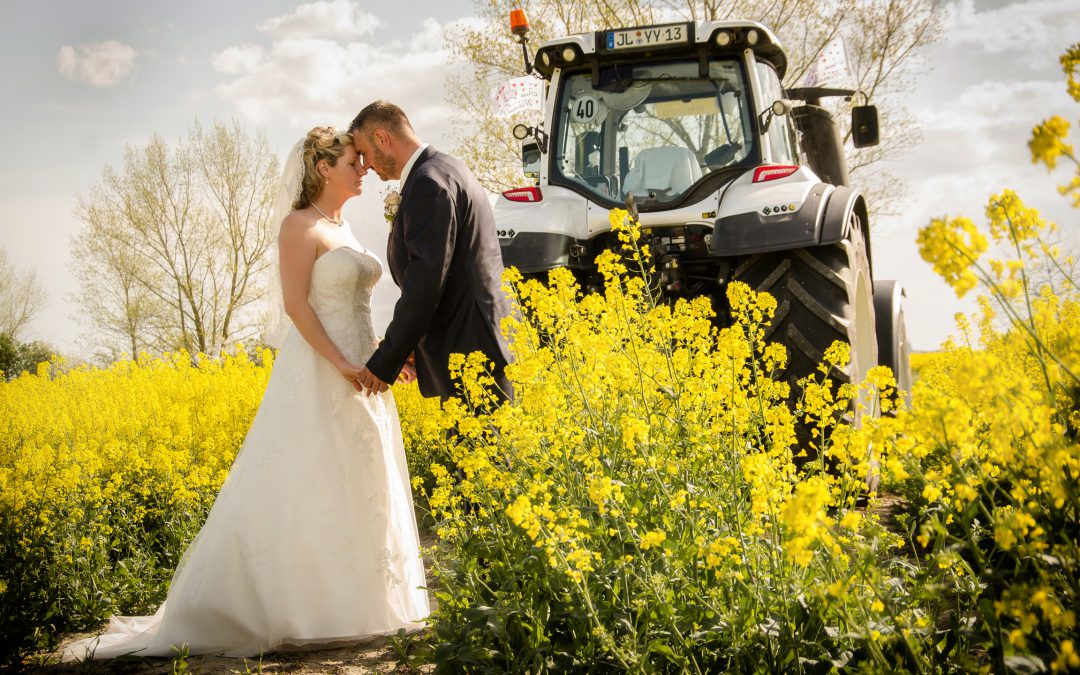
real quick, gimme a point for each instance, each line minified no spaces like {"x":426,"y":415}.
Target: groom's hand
{"x":370,"y":383}
{"x":407,"y":374}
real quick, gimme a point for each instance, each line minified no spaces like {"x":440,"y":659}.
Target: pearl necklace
{"x":328,"y":218}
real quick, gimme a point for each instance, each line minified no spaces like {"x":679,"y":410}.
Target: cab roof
{"x":702,"y":38}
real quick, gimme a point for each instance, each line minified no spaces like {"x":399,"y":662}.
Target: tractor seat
{"x":665,"y":170}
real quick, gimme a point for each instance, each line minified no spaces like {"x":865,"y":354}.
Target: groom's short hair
{"x":382,"y":114}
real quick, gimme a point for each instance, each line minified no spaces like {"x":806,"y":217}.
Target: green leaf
{"x":667,"y":652}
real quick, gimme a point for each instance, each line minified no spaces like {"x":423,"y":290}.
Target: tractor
{"x":731,"y":177}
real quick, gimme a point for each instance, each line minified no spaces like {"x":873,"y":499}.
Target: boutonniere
{"x":391,"y":202}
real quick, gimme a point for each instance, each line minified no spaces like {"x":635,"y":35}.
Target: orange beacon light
{"x":519,"y":23}
{"x":519,"y":26}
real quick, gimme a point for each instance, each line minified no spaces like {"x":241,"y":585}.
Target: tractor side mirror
{"x":530,"y":159}
{"x":864,"y":126}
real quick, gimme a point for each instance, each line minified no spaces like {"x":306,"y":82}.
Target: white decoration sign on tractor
{"x":830,"y":68}
{"x":519,"y":95}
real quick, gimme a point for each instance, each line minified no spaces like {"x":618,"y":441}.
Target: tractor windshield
{"x":654,"y":130}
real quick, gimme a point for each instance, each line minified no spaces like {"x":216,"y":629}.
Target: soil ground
{"x":377,"y":655}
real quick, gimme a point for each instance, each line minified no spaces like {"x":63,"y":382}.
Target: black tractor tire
{"x":893,"y":350}
{"x":823,"y":294}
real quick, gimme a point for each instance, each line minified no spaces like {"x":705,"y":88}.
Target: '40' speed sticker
{"x":584,"y":109}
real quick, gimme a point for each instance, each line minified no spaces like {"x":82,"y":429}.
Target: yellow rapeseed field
{"x":638,"y":507}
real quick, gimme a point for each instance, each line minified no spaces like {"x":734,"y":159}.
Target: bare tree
{"x":114,"y":296}
{"x":884,"y":39}
{"x":175,"y":244}
{"x":21,"y":296}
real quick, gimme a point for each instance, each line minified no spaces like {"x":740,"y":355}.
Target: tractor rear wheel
{"x":823,"y":294}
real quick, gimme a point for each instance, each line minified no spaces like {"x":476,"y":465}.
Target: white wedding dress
{"x":312,"y":538}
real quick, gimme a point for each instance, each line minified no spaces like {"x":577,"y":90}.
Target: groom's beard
{"x":383,"y":165}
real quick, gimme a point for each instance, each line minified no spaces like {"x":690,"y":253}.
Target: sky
{"x":84,"y":79}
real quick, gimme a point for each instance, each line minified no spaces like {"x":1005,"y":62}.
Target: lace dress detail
{"x":313,"y":536}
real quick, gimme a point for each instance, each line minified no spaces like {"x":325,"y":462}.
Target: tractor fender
{"x":770,"y":226}
{"x":843,"y":204}
{"x":837,"y":216}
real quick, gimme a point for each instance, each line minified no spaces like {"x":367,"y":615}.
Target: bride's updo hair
{"x":321,"y":143}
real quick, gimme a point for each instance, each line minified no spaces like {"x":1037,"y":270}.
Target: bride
{"x":312,"y":538}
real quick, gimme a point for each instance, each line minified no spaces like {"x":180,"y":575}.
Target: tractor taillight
{"x":526,"y":194}
{"x":765,"y":173}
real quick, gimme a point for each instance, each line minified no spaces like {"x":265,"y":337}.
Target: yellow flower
{"x":1067,"y":658}
{"x":1010,"y":220}
{"x":952,"y":246}
{"x":805,"y":519}
{"x":1047,"y":141}
{"x":652,"y":539}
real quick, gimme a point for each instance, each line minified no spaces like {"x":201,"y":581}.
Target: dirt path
{"x":378,"y":655}
{"x":375,"y":656}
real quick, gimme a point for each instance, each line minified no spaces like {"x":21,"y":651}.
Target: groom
{"x":443,"y":254}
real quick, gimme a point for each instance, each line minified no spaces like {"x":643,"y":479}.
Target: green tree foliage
{"x":18,"y":357}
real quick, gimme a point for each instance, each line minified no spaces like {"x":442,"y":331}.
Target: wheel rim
{"x":864,"y":348}
{"x":903,"y":362}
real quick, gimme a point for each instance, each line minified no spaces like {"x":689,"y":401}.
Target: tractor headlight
{"x":569,"y":54}
{"x":545,"y":57}
{"x":752,"y":37}
{"x":723,"y":38}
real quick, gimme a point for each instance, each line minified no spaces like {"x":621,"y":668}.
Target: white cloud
{"x":974,"y":145}
{"x":104,"y":64}
{"x":291,"y":83}
{"x":1035,"y":30}
{"x":996,"y":104}
{"x":239,"y":60}
{"x":995,"y":75}
{"x":340,"y":20}
{"x":304,"y":82}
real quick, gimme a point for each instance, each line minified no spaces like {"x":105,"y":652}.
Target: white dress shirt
{"x":409,"y":164}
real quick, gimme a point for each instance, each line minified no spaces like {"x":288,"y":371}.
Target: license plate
{"x":636,"y":38}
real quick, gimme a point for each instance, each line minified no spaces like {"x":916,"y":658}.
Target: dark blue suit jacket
{"x":444,"y":255}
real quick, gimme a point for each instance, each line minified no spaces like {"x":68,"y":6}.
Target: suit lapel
{"x":395,"y":253}
{"x":425,"y":155}
{"x":392,"y":244}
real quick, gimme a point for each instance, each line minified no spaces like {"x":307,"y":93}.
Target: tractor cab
{"x":659,"y":131}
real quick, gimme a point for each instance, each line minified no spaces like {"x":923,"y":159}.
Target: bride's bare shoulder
{"x":297,"y":225}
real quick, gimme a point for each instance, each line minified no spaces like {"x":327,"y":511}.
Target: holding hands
{"x":367,"y":382}
{"x":351,"y":372}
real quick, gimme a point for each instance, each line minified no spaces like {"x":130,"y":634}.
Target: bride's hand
{"x":350,"y":372}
